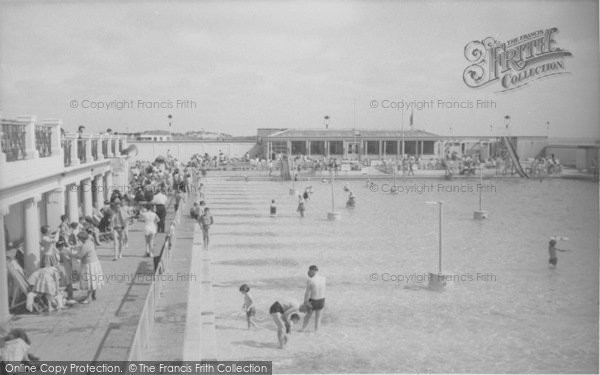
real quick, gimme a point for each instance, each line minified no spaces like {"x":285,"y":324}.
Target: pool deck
{"x":375,"y":174}
{"x":103,"y":329}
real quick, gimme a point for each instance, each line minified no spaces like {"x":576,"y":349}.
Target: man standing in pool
{"x":314,"y":297}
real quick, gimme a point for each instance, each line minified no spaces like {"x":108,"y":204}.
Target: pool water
{"x":504,"y":311}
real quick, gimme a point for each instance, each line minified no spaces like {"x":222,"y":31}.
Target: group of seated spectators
{"x":542,"y":166}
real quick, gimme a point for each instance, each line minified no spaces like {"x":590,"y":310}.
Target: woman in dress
{"x":64,"y":230}
{"x":150,"y":220}
{"x":92,"y":278}
{"x":49,"y":254}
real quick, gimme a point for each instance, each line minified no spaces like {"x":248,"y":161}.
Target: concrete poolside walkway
{"x":375,"y":174}
{"x":167,"y":336}
{"x":103,"y":329}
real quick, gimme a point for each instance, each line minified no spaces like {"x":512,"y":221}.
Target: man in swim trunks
{"x":285,"y":313}
{"x":314,"y":297}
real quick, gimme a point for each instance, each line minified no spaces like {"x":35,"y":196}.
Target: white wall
{"x":184,"y":150}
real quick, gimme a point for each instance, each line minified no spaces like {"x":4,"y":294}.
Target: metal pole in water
{"x":332,"y":196}
{"x":402,"y":112}
{"x":480,"y":184}
{"x":441,"y":231}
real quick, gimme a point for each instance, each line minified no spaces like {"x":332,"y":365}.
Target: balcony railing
{"x":13,"y":140}
{"x":81,"y":150}
{"x":66,"y":146}
{"x":105,"y":148}
{"x":95,"y":149}
{"x":43,"y":140}
{"x":24,"y":138}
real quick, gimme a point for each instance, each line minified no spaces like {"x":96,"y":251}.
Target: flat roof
{"x":350,"y":133}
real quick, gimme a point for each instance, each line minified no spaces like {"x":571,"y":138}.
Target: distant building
{"x":357,"y":144}
{"x":155,"y":137}
{"x":351,"y":144}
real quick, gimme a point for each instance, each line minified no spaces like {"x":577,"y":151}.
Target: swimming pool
{"x":505,"y":311}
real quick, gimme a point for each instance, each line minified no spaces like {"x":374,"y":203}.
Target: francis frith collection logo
{"x":514,"y":63}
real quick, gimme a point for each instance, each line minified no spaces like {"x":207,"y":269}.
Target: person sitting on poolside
{"x":14,"y":347}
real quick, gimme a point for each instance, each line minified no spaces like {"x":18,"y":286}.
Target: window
{"x":428,"y":148}
{"x":391,"y":148}
{"x":317,"y":147}
{"x":410,"y":147}
{"x":373,"y":147}
{"x":336,"y":147}
{"x":279,"y":147}
{"x":298,"y":147}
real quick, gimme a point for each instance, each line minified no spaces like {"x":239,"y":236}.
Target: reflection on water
{"x":505,"y":311}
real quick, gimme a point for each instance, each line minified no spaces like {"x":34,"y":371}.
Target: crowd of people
{"x":545,"y":166}
{"x":68,"y":253}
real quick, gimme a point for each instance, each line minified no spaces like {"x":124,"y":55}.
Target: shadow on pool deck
{"x":256,"y":344}
{"x":282,"y":262}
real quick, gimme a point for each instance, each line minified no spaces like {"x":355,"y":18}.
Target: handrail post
{"x":30,"y":150}
{"x":74,"y":150}
{"x":56,"y":147}
{"x":88,"y":148}
{"x":99,"y":152}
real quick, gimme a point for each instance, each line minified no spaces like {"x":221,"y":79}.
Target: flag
{"x":411,"y":117}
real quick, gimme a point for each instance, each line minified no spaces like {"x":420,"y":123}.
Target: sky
{"x":235,"y":66}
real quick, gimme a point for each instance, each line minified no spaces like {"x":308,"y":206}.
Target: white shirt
{"x":150,"y":219}
{"x":14,"y":351}
{"x":160,"y":198}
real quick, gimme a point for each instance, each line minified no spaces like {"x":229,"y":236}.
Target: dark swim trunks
{"x":553,"y":261}
{"x":276,"y":308}
{"x":251,"y":312}
{"x":317,"y":304}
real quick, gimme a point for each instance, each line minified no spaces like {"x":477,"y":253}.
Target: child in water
{"x":273,"y":209}
{"x":306,"y":194}
{"x":552,"y":251}
{"x":248,"y":306}
{"x":301,"y":207}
